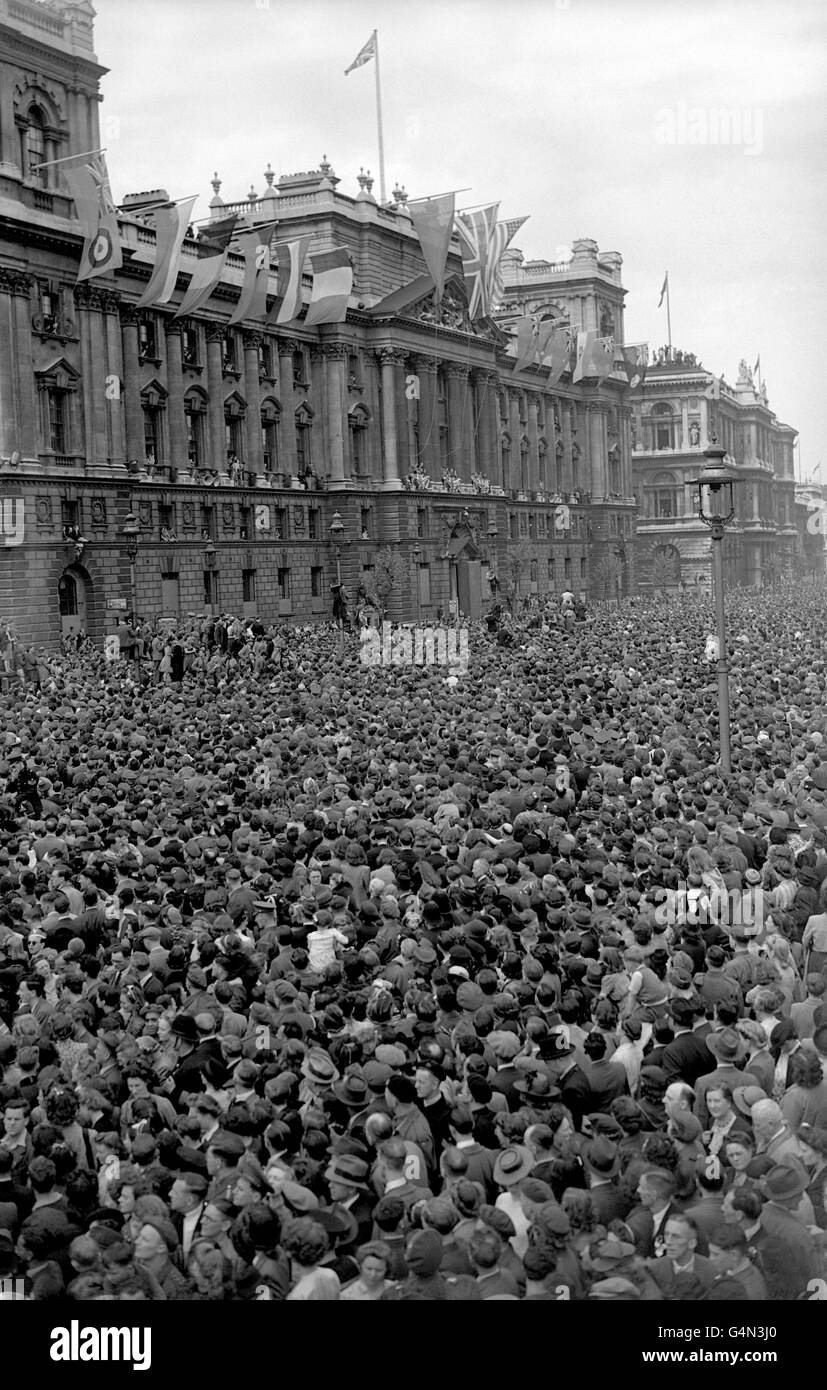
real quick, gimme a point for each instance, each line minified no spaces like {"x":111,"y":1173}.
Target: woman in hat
{"x":739,"y":1152}
{"x":155,"y":1243}
{"x":813,"y":1141}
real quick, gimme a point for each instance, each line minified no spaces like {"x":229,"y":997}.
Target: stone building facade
{"x":677,"y":412}
{"x":235,"y":447}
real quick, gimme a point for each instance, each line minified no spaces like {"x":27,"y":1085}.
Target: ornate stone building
{"x":677,"y":411}
{"x":235,"y":446}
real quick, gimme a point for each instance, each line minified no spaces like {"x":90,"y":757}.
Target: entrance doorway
{"x":72,"y":596}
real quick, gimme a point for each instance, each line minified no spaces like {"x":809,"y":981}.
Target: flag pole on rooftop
{"x":368,"y":51}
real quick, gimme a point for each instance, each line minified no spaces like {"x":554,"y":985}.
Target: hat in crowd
{"x":227,"y":1144}
{"x":183,"y":1026}
{"x":512,"y":1165}
{"x":318,"y":1068}
{"x":783,"y":1183}
{"x":605,"y":1254}
{"x":727,"y":1045}
{"x":685,"y":1127}
{"x":352,"y":1090}
{"x":601,"y":1156}
{"x":744,"y":1097}
{"x":350,"y":1170}
{"x":298,"y":1199}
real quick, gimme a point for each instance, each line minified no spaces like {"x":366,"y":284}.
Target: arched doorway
{"x":72,"y":594}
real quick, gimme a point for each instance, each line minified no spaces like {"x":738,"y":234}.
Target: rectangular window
{"x":281,"y":523}
{"x":146,"y":339}
{"x":189,"y":347}
{"x":299,"y":377}
{"x":421,"y":523}
{"x":532,"y":524}
{"x":424,"y":585}
{"x":270,"y":445}
{"x":232,"y":439}
{"x":70,"y":513}
{"x":567,"y":568}
{"x":354,"y":370}
{"x":284,"y":583}
{"x":512,"y":526}
{"x":165,"y":519}
{"x":193,"y":420}
{"x":313,"y":528}
{"x":208,"y":523}
{"x":551,"y":570}
{"x":582,"y":567}
{"x":265,"y":359}
{"x":245,"y":530}
{"x":316,"y":581}
{"x":364,"y":522}
{"x":228,"y":357}
{"x":57,"y":421}
{"x":302,"y":446}
{"x":248,"y":586}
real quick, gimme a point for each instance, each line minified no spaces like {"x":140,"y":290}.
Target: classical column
{"x":178,"y":457}
{"x":515,"y":430}
{"x":217,"y":449}
{"x":567,"y":470}
{"x":132,"y":385}
{"x":392,"y":361}
{"x":333,"y":355}
{"x":684,"y":425}
{"x":113,"y":350}
{"x":597,"y":461}
{"x":254,"y":453}
{"x":458,"y":435}
{"x":533,"y":432}
{"x":496,"y":432}
{"x":23,"y":357}
{"x":704,"y":423}
{"x":428,"y":458}
{"x":9,"y":143}
{"x":480,"y":447}
{"x":287,"y":438}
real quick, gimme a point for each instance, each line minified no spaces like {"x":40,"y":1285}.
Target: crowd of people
{"x":323,"y":981}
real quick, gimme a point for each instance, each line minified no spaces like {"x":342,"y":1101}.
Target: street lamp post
{"x":716,"y":509}
{"x":210,"y":561}
{"x":337,"y":530}
{"x":130,"y":532}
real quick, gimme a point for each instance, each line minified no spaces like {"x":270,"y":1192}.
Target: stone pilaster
{"x":254,"y":453}
{"x":175,"y":400}
{"x":392,"y":361}
{"x":132,"y":385}
{"x":428,"y":458}
{"x":286,"y":348}
{"x":216,"y":447}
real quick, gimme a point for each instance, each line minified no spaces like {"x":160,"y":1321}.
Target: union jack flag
{"x":504,"y":233}
{"x":476,"y":231}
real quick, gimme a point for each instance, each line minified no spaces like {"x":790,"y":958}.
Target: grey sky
{"x":594,"y":116}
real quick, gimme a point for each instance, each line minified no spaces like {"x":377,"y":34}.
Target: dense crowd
{"x":326,"y":981}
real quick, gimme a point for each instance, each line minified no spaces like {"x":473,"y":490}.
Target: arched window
{"x":304,"y":426}
{"x":542,"y":450}
{"x":195,"y":408}
{"x":505,"y":462}
{"x":33,"y":147}
{"x":523,"y":464}
{"x":67,"y":594}
{"x":270,"y":422}
{"x":357,"y":421}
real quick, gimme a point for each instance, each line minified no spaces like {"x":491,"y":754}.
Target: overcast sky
{"x":597,"y":117}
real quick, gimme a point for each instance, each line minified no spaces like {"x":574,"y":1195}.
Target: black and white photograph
{"x":413,"y":646}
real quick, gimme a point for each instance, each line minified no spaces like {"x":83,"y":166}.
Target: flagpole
{"x":668,"y":314}
{"x":67,"y":159}
{"x":382,"y":195}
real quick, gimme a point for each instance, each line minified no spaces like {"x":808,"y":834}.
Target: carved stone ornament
{"x":189,"y":516}
{"x":298,"y":518}
{"x":43,"y":511}
{"x":145,"y":513}
{"x":98,"y":511}
{"x":227,"y":516}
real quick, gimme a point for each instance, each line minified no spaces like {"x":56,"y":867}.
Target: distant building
{"x":676,"y":412}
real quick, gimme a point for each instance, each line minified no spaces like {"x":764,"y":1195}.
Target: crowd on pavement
{"x":321,"y":981}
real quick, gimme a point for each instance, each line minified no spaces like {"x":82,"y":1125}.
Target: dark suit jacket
{"x":609,"y":1203}
{"x":204,"y":1064}
{"x":642,"y":1226}
{"x":687,"y":1058}
{"x":670,"y":1284}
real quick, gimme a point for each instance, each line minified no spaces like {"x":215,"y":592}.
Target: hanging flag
{"x":563,"y":342}
{"x":545,"y":332}
{"x":207,"y":271}
{"x":584,"y":347}
{"x":756,"y":371}
{"x":504,"y":233}
{"x":433,"y":220}
{"x":664,"y":288}
{"x":171,"y":222}
{"x":527,"y":340}
{"x":476,"y":237}
{"x":364,"y":55}
{"x":602,"y":357}
{"x":291,"y":257}
{"x":332,"y":283}
{"x":89,"y":186}
{"x":255,"y":247}
{"x":635,"y":361}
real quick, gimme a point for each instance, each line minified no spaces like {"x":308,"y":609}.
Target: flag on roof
{"x":291,"y":258}
{"x":255,"y":247}
{"x":664,"y":288}
{"x":171,"y":222}
{"x":89,"y":186}
{"x":433,"y":220}
{"x":332,"y":283}
{"x":215,"y":240}
{"x":366,"y":52}
{"x":476,"y":230}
